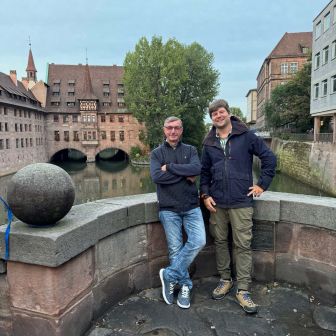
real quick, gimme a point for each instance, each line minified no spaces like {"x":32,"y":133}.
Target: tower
{"x":31,"y":70}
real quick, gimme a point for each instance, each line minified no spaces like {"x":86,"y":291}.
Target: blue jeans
{"x":182,"y":255}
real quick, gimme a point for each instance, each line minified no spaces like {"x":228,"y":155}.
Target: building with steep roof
{"x":323,"y":76}
{"x":86,"y":110}
{"x":288,"y":56}
{"x":22,"y":131}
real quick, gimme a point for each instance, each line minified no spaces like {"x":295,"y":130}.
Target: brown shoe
{"x":223,"y":287}
{"x":246,"y":302}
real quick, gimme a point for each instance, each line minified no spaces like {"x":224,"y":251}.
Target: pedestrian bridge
{"x":60,"y":279}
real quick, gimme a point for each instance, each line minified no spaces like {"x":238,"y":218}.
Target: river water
{"x":106,"y":179}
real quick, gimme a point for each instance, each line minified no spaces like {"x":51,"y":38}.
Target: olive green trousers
{"x":241,"y":225}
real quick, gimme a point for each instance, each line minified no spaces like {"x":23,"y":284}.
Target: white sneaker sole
{"x":183,"y":306}
{"x":163,"y":287}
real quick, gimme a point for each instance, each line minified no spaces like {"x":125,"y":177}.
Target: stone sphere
{"x":41,"y":194}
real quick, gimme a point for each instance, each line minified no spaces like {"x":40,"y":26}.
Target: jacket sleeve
{"x":159,"y":176}
{"x":192,"y":168}
{"x":206,"y":175}
{"x":268,"y":162}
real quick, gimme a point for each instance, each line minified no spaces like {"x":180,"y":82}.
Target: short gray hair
{"x":171,"y":119}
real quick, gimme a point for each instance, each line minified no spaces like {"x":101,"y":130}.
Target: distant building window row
{"x":321,"y":89}
{"x":28,"y":142}
{"x":325,"y":55}
{"x":4,"y":144}
{"x":21,"y":113}
{"x":73,"y":103}
{"x":286,"y":68}
{"x":88,"y":135}
{"x":325,"y":24}
{"x":88,"y":118}
{"x":121,"y":118}
{"x":4,"y":127}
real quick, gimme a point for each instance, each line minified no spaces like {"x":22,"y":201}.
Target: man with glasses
{"x":174,"y":167}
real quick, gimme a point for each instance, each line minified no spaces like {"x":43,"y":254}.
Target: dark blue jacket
{"x":226,"y":177}
{"x":174,"y":191}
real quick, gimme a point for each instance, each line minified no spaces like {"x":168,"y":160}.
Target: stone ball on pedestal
{"x":41,"y":194}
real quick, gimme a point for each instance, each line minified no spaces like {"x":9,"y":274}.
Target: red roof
{"x":31,"y":64}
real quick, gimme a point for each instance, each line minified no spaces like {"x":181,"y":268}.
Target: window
{"x":120,"y":118}
{"x":56,"y":136}
{"x":26,"y":142}
{"x":293,"y":67}
{"x":76,"y":136}
{"x":71,"y":104}
{"x":318,"y":30}
{"x":106,"y":94}
{"x":14,"y":112}
{"x":333,"y":84}
{"x":325,"y":55}
{"x":112,"y":134}
{"x":65,"y":119}
{"x":31,"y":142}
{"x":5,"y":111}
{"x":22,"y":145}
{"x":6,"y":127}
{"x":56,"y":118}
{"x":105,"y":104}
{"x":1,"y":144}
{"x":284,"y":68}
{"x":7,"y":143}
{"x":71,"y":93}
{"x":56,"y":93}
{"x":316,"y":90}
{"x":66,"y":135}
{"x":334,"y":14}
{"x":326,"y":22}
{"x":305,"y":50}
{"x":17,"y":143}
{"x":121,"y":135}
{"x":55,"y":103}
{"x":75,"y":118}
{"x":333,"y":49}
{"x":102,"y":118}
{"x":21,"y":128}
{"x":84,"y":135}
{"x":111,"y":118}
{"x":103,"y":135}
{"x":324,"y":87}
{"x":30,"y":128}
{"x":121,"y":104}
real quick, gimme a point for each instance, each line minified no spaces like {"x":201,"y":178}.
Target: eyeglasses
{"x":170,"y":128}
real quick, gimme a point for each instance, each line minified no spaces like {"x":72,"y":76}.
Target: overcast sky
{"x":240,"y":33}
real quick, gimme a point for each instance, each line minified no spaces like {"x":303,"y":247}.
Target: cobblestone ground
{"x":284,"y":311}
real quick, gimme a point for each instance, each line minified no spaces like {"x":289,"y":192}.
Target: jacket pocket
{"x":239,"y":186}
{"x":216,"y":187}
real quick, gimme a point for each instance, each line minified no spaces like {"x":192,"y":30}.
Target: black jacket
{"x":227,"y":176}
{"x":174,"y":191}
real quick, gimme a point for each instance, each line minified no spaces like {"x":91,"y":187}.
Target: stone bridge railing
{"x":59,"y":279}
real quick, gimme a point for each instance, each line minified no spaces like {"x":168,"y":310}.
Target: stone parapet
{"x":59,"y":278}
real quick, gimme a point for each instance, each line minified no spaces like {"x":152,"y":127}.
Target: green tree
{"x":236,"y":111}
{"x":164,"y":79}
{"x":290,"y":103}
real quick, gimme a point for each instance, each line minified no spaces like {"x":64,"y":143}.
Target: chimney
{"x":25,"y":82}
{"x":12,"y":75}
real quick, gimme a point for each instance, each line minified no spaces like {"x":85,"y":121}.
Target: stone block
{"x":266,"y":208}
{"x":157,"y":244}
{"x":309,"y":210}
{"x":80,"y":229}
{"x":49,"y":290}
{"x":263,"y":235}
{"x":317,"y":244}
{"x":263,"y":266}
{"x":111,"y":290}
{"x":75,"y":321}
{"x":139,"y":277}
{"x":121,"y":250}
{"x":4,"y":297}
{"x":286,"y":237}
{"x":152,"y":211}
{"x":319,"y":278}
{"x":6,"y":326}
{"x":154,"y":267}
{"x":3,"y":266}
{"x":205,"y":263}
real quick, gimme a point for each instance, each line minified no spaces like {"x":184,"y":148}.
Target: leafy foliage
{"x":169,"y":79}
{"x":236,"y":111}
{"x":290,"y":103}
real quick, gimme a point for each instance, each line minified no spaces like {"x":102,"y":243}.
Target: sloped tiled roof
{"x":7,"y":85}
{"x":291,"y":44}
{"x":88,"y":80}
